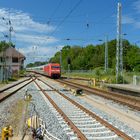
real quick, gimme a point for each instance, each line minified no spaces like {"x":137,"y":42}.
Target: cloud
{"x":21,"y":21}
{"x":35,"y":39}
{"x":136,"y":6}
{"x":127,"y":20}
{"x":29,"y":35}
{"x":42,"y":49}
{"x":40,"y":53}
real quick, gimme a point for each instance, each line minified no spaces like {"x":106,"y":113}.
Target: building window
{"x":1,"y":59}
{"x":15,"y":59}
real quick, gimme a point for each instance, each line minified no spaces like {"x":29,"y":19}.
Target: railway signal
{"x":69,"y":63}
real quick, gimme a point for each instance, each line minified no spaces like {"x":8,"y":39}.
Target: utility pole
{"x":119,"y":52}
{"x":10,"y":29}
{"x":106,"y":54}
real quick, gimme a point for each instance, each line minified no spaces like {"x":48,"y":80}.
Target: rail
{"x":123,"y":99}
{"x":93,"y":115}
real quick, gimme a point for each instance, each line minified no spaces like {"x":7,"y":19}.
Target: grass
{"x":16,"y":112}
{"x":109,"y":77}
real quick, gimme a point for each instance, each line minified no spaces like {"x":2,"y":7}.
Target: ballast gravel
{"x":112,"y":120}
{"x":42,"y":109}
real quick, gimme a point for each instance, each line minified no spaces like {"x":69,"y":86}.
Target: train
{"x":52,"y":70}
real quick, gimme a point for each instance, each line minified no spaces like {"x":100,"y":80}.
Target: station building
{"x":11,"y":62}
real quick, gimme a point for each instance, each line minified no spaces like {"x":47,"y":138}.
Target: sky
{"x":40,"y":28}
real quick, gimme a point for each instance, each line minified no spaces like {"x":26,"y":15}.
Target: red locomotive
{"x":52,"y":70}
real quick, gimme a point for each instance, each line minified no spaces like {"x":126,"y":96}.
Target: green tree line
{"x":92,"y":56}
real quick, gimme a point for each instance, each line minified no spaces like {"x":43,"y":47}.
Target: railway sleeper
{"x":90,"y":131}
{"x":93,"y":125}
{"x":79,"y":116}
{"x":88,"y":125}
{"x":83,"y":120}
{"x":115,"y":137}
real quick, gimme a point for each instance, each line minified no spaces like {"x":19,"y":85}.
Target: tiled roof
{"x":12,"y":52}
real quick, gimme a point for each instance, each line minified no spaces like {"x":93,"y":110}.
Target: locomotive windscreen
{"x":55,"y":67}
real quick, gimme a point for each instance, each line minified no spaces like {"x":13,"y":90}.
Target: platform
{"x":11,"y":84}
{"x":128,"y":89}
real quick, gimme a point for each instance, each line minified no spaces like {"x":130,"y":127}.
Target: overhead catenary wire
{"x":73,"y":8}
{"x":55,"y":10}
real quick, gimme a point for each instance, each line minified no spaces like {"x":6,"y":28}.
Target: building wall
{"x":10,"y":68}
{"x":1,"y":73}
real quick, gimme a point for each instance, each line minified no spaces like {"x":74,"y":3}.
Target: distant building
{"x":11,"y":62}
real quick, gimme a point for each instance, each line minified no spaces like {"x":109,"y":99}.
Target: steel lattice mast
{"x":119,"y":44}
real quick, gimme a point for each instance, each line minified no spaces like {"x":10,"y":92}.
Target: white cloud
{"x":127,"y":20}
{"x":29,"y":34}
{"x":130,"y":20}
{"x":21,"y":22}
{"x":35,"y":39}
{"x":39,"y":53}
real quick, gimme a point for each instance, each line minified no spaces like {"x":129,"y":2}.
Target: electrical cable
{"x":55,"y":10}
{"x":73,"y":8}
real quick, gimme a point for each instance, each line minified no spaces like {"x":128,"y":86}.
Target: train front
{"x":55,"y":70}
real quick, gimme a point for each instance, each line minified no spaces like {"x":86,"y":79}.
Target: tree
{"x":91,"y":57}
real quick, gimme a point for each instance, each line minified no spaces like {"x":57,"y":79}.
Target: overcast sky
{"x":42,"y":27}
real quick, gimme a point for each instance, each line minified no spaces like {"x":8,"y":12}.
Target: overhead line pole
{"x":118,"y":45}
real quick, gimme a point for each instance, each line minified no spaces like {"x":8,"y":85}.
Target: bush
{"x":12,"y":79}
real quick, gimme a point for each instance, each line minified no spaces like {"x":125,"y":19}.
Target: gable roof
{"x":12,"y":52}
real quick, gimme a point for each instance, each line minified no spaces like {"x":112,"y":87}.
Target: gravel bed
{"x":43,"y":110}
{"x":131,"y":132}
{"x":124,"y":108}
{"x":46,"y":114}
{"x":112,"y":120}
{"x":5,"y":106}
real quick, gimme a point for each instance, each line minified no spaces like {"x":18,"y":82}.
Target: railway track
{"x":10,"y":90}
{"x":83,"y":123}
{"x":123,"y":99}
